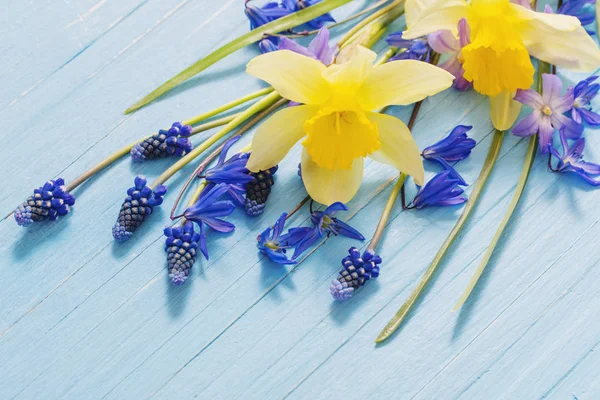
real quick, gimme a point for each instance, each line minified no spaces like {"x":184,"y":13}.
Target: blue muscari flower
{"x":258,"y":191}
{"x":47,"y":202}
{"x":181,"y":246}
{"x":416,"y":49}
{"x":275,"y":245}
{"x":208,"y":210}
{"x":442,"y":190}
{"x":571,"y":160}
{"x":172,"y":142}
{"x":584,"y":92}
{"x":580,"y":10}
{"x":138,"y":204}
{"x":455,"y":147}
{"x":325,"y":223}
{"x":297,"y":5}
{"x":259,"y":16}
{"x":356,"y":271}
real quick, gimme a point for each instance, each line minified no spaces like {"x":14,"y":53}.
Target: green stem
{"x":125,"y":150}
{"x":394,"y":9}
{"x":237,"y":121}
{"x":227,"y":107}
{"x":529,"y":159}
{"x":488,"y":165}
{"x":279,"y":25}
{"x":385,"y":216}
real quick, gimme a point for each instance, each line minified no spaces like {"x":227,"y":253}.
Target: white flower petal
{"x":402,"y":82}
{"x":327,"y":186}
{"x":277,"y":135}
{"x":398,"y":148}
{"x":427,"y":16}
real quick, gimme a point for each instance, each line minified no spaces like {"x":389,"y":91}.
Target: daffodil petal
{"x":504,"y":110}
{"x":396,"y":83}
{"x":327,"y":186}
{"x":559,"y":40}
{"x":398,"y":148}
{"x":348,"y":76}
{"x":427,"y":16}
{"x":277,"y":135}
{"x":294,"y":76}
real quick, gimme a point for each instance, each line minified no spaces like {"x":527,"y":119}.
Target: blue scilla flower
{"x":181,"y":246}
{"x":232,"y":170}
{"x":571,"y":160}
{"x":441,"y":190}
{"x":455,"y":147}
{"x":356,"y":271}
{"x":138,"y":204}
{"x":47,"y":202}
{"x":297,"y":5}
{"x":417,"y":49}
{"x":275,"y":245}
{"x":325,"y":223}
{"x":259,"y":16}
{"x":583,"y":93}
{"x":207,"y":213}
{"x":172,"y":142}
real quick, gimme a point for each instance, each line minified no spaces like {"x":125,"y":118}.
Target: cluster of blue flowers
{"x":356,"y":270}
{"x":172,"y":142}
{"x":275,"y":245}
{"x":273,"y":10}
{"x":568,"y":114}
{"x":47,"y":202}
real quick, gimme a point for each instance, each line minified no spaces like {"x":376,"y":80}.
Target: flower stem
{"x":488,"y":165}
{"x":227,"y":107}
{"x":202,"y":166}
{"x":237,"y":121}
{"x":385,"y":215}
{"x":298,"y":35}
{"x":392,"y":8}
{"x":529,"y":159}
{"x":125,"y":150}
{"x":298,"y":207}
{"x":278,"y":25}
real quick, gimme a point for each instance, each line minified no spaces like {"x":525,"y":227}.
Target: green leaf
{"x":279,"y":25}
{"x":529,"y":158}
{"x":488,"y":165}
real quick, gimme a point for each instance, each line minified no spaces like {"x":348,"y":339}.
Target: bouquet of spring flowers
{"x":331,"y":97}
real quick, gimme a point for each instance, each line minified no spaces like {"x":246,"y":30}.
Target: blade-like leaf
{"x":279,"y":25}
{"x":488,"y":165}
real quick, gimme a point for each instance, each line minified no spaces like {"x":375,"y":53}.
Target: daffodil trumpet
{"x":503,"y":37}
{"x":337,"y":121}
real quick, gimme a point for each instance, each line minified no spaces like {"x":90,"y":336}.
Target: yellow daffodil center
{"x":496,"y":60}
{"x":547,"y":110}
{"x":335,"y":138}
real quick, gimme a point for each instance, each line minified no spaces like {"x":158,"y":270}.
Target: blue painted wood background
{"x":82,"y":317}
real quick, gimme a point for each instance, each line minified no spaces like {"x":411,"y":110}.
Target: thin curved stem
{"x":347,"y":38}
{"x":486,"y":170}
{"x":298,"y":207}
{"x":529,"y":159}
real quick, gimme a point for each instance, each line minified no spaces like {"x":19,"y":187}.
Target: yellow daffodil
{"x":337,"y":120}
{"x":503,"y":37}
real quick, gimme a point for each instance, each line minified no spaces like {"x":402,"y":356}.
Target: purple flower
{"x":444,"y":42}
{"x":47,"y":202}
{"x":584,"y":92}
{"x":571,"y":160}
{"x":181,"y":247}
{"x":454,"y":147}
{"x":207,"y":213}
{"x":318,"y":48}
{"x":275,"y":245}
{"x":548,"y":112}
{"x":230,"y":171}
{"x":356,"y":271}
{"x":297,"y":5}
{"x":441,"y":190}
{"x":325,"y":223}
{"x":416,"y":49}
{"x":260,"y":16}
